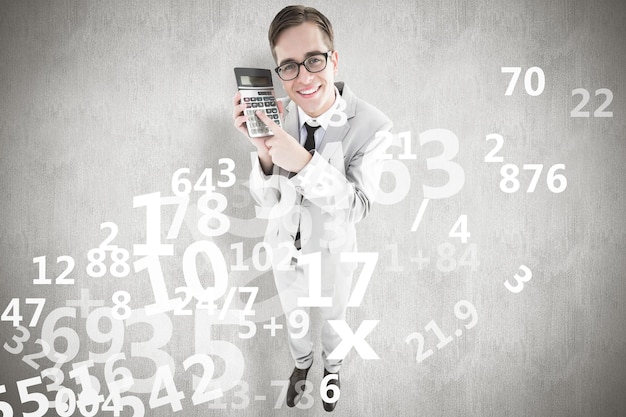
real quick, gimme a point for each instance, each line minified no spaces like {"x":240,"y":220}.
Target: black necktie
{"x":309,"y":145}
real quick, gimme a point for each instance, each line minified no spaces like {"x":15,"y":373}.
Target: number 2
{"x":421,"y":354}
{"x":491,"y":156}
{"x":201,"y":395}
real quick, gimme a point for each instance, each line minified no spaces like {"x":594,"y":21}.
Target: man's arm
{"x":323,"y":184}
{"x":328,"y":188}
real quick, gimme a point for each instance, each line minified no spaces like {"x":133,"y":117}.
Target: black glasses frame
{"x":325,"y":55}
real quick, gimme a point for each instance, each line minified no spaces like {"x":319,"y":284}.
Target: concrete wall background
{"x":104,"y":101}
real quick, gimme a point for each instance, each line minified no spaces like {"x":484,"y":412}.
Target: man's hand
{"x":241,"y":119}
{"x":284,"y":149}
{"x":259,"y":143}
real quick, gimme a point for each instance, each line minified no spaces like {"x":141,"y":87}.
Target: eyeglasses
{"x":314,"y":63}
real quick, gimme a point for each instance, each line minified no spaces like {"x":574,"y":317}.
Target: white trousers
{"x":335,"y":281}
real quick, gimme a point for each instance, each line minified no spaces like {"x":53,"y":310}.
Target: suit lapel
{"x":291,"y":119}
{"x":338,"y":133}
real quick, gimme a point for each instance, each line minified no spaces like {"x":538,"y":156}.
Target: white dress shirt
{"x":323,"y":120}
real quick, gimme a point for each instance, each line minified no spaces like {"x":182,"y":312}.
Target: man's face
{"x":313,"y":92}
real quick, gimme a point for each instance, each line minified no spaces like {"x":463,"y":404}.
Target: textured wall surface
{"x":102,"y":102}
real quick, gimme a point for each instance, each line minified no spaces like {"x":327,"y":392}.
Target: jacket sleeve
{"x":261,"y":187}
{"x":274,"y":194}
{"x":328,"y":188}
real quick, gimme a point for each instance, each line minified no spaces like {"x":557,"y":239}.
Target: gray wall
{"x":104,"y":101}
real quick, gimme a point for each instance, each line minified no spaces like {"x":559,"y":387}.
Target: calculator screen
{"x":255,"y":81}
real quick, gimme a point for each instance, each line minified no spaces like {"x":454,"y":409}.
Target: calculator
{"x":257,"y":92}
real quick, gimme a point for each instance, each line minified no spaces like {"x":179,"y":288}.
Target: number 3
{"x":520,"y":280}
{"x":443,"y":162}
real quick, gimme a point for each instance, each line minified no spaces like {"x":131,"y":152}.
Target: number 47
{"x":12,"y":312}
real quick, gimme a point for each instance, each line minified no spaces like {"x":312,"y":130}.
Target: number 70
{"x":516,"y":71}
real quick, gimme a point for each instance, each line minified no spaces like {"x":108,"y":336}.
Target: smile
{"x":309,"y":92}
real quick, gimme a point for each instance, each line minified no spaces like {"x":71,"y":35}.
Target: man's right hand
{"x":259,"y":143}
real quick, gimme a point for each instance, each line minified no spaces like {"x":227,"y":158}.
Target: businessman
{"x":317,"y":176}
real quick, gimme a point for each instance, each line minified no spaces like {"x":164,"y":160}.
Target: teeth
{"x":309,"y":91}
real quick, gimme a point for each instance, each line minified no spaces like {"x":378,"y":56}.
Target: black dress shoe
{"x":331,"y":395}
{"x":297,"y":381}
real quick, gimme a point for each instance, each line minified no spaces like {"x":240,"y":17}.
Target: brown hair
{"x":295,"y":15}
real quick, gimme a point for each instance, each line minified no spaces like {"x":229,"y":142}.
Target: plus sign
{"x":420,"y":260}
{"x":273,"y":326}
{"x":84,"y":303}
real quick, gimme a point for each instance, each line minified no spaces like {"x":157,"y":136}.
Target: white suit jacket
{"x":333,"y":191}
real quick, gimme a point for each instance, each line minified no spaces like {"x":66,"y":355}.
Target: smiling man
{"x":321,"y":173}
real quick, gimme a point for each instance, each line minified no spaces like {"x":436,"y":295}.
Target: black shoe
{"x":333,"y":381}
{"x":297,"y":381}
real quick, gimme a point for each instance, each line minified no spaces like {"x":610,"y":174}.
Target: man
{"x":320,"y":173}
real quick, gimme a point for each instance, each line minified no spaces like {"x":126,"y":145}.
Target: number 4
{"x":14,"y":306}
{"x":163,"y":379}
{"x":461,"y":224}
